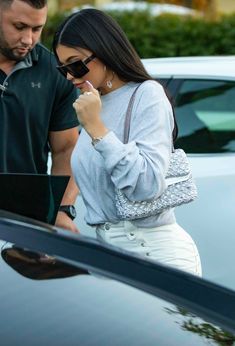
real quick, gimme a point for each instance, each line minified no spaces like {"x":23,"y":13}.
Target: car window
{"x":205,"y":113}
{"x":163,"y":81}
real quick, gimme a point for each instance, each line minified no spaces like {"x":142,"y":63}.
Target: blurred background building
{"x":209,"y":7}
{"x":226,"y":6}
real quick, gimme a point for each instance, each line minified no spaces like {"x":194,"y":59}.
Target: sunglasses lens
{"x":77,"y":69}
{"x":62,"y":70}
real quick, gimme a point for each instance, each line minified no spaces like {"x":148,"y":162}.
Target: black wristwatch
{"x":69,"y":210}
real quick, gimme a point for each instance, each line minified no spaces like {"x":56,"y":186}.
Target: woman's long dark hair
{"x":98,"y":32}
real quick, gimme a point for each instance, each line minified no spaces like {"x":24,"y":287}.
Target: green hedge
{"x":167,"y":35}
{"x":50,"y":27}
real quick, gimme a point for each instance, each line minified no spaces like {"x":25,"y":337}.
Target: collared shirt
{"x":34,"y":100}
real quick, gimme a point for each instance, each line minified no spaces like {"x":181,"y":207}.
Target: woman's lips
{"x":79,"y":85}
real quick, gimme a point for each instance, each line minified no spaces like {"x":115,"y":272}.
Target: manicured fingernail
{"x":89,"y":83}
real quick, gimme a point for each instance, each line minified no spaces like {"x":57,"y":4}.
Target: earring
{"x":109,"y":82}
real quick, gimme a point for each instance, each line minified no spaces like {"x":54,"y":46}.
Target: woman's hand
{"x":88,"y":107}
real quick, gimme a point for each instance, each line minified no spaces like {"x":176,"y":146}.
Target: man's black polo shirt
{"x":37,"y":99}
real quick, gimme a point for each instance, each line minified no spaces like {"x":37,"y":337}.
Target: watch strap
{"x":69,"y":210}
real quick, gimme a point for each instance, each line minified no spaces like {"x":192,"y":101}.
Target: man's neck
{"x":6,"y":65}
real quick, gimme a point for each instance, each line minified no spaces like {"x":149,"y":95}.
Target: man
{"x":36,"y":113}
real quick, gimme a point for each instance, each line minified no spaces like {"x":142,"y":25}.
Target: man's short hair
{"x":38,"y":4}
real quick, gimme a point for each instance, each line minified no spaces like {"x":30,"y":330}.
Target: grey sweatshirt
{"x":138,"y":167}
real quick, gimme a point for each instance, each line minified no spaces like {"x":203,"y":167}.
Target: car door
{"x":205,"y":113}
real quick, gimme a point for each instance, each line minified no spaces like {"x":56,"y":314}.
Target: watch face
{"x":72,"y":211}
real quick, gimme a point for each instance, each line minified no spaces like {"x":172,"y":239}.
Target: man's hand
{"x":64,"y":221}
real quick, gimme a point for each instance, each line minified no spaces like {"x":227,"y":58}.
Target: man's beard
{"x":8,"y":52}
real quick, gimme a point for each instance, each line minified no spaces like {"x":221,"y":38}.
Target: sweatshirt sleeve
{"x":139,"y":167}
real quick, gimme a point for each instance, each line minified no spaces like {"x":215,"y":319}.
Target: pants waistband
{"x":107,"y":225}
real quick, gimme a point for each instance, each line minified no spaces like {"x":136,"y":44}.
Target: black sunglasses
{"x":76,"y":68}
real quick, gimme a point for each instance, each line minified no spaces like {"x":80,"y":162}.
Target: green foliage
{"x":50,"y":28}
{"x":167,"y":35}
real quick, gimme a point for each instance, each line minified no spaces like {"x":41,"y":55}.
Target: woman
{"x":94,"y":53}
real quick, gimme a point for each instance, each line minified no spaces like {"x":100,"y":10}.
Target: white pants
{"x":168,"y":244}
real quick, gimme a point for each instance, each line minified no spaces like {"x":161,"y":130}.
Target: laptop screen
{"x":37,"y":196}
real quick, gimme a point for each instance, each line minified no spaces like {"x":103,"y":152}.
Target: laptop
{"x":37,"y":196}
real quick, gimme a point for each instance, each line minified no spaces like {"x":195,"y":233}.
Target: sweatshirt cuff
{"x":108,"y":143}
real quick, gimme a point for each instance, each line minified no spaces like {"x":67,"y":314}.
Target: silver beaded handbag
{"x":180,"y":188}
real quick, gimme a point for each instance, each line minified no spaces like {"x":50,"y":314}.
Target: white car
{"x":203,"y":93}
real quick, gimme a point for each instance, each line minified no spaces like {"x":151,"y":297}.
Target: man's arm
{"x":62,"y":144}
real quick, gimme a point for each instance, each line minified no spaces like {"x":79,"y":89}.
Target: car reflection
{"x":194,"y":324}
{"x":38,"y":266}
